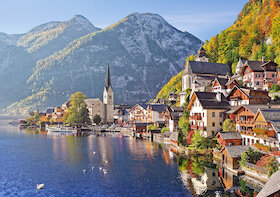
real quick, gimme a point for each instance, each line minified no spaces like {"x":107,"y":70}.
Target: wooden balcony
{"x":245,"y":122}
{"x":195,"y":117}
{"x":195,"y":127}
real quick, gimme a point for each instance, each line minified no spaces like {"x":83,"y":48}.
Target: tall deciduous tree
{"x":78,"y":112}
{"x":228,"y":125}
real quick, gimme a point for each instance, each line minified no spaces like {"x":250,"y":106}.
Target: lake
{"x":134,"y":167}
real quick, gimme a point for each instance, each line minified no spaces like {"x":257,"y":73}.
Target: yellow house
{"x":207,"y":112}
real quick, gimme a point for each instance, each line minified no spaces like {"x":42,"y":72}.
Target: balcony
{"x":195,"y":117}
{"x":247,"y":132}
{"x":236,"y":98}
{"x":195,"y":127}
{"x":246,"y":122}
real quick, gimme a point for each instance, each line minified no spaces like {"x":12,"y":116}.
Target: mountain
{"x":255,"y":33}
{"x":19,"y":53}
{"x":143,"y":51}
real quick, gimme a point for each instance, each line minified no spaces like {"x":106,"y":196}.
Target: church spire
{"x":108,"y":78}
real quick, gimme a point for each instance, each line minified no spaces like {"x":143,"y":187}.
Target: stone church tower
{"x":108,"y":99}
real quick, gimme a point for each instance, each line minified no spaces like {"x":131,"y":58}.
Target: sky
{"x":203,"y":18}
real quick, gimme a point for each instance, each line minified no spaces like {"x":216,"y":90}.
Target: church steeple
{"x":108,"y":78}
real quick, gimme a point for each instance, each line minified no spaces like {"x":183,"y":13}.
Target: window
{"x":213,"y":124}
{"x":203,"y":114}
{"x":220,"y":114}
{"x":272,"y":75}
{"x":221,"y":123}
{"x":257,"y":75}
{"x":257,"y":83}
{"x":213,"y":114}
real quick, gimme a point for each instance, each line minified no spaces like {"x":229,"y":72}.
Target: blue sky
{"x":204,"y":18}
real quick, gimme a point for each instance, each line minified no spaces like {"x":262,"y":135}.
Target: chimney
{"x":219,"y":96}
{"x":262,"y":58}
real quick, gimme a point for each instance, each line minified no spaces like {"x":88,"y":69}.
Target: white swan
{"x":40,"y":186}
{"x":100,"y":168}
{"x":92,"y":167}
{"x":104,"y":171}
{"x":106,"y":161}
{"x":84,"y":171}
{"x":94,"y":152}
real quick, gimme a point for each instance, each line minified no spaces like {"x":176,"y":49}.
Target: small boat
{"x":58,"y":130}
{"x":14,"y":122}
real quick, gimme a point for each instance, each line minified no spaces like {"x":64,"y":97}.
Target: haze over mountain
{"x":47,"y":64}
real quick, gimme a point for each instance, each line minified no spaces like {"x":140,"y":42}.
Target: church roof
{"x":108,"y":78}
{"x":202,"y":52}
{"x":208,"y":68}
{"x":92,"y":101}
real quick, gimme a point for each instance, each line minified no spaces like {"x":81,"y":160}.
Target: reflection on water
{"x":134,"y":167}
{"x":204,"y":178}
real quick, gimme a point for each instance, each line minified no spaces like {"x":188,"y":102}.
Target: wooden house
{"x":231,"y":156}
{"x":229,"y":138}
{"x":244,"y":96}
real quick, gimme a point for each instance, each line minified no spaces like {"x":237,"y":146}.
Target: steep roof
{"x":272,"y":115}
{"x":255,"y":65}
{"x":221,"y":81}
{"x":108,"y":78}
{"x":158,"y":108}
{"x":209,"y":100}
{"x":208,"y":68}
{"x":230,"y":135}
{"x":272,"y":186}
{"x":92,"y":101}
{"x":236,"y":151}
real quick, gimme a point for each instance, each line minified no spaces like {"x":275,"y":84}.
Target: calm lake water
{"x":135,"y":167}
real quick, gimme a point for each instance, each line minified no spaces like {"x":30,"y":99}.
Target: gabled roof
{"x":271,"y":115}
{"x":247,"y":92}
{"x":208,"y":100}
{"x":231,"y":80}
{"x":272,"y":186}
{"x":253,"y":108}
{"x":221,"y":81}
{"x":144,"y":106}
{"x":208,"y":68}
{"x":236,"y":151}
{"x":230,"y":135}
{"x":92,"y":101}
{"x":255,"y":65}
{"x":158,"y":108}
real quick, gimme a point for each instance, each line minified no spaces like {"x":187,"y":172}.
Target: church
{"x":104,"y":109}
{"x":199,"y":74}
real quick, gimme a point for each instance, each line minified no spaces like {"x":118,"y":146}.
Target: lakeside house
{"x":229,"y":138}
{"x":231,"y":155}
{"x":207,"y":112}
{"x":172,"y":117}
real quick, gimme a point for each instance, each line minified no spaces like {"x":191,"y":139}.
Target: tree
{"x":164,"y":129}
{"x":197,"y":139}
{"x":228,"y":126}
{"x":96,"y":119}
{"x":78,"y":112}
